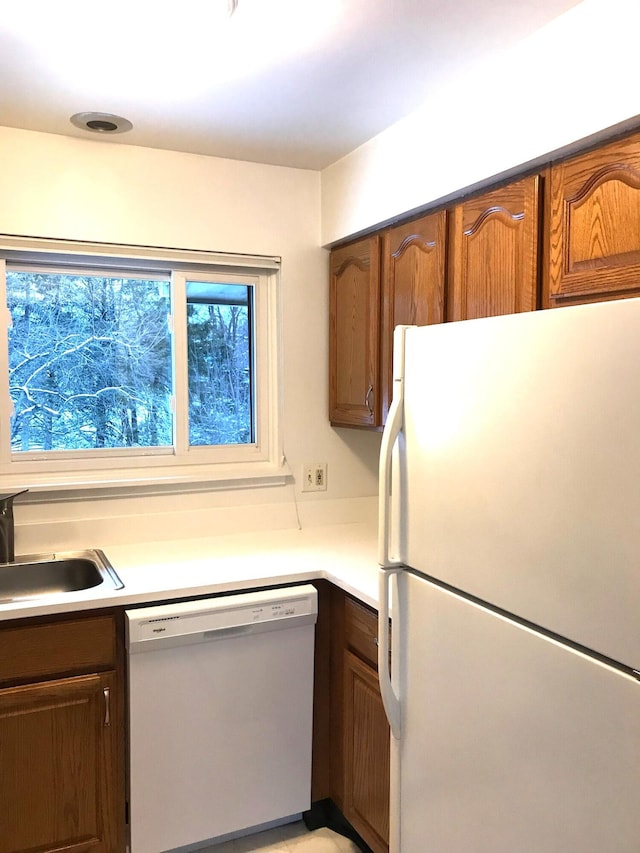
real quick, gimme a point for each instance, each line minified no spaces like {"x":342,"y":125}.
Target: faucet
{"x":7,"y":528}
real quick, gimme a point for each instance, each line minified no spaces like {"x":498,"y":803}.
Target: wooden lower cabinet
{"x":61,"y":754}
{"x":366,"y":751}
{"x":360,"y":735}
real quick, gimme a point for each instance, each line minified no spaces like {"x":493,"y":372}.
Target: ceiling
{"x":287,"y":82}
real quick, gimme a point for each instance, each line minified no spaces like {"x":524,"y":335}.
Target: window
{"x":219,"y":347}
{"x":89,"y":361}
{"x":122,"y":369}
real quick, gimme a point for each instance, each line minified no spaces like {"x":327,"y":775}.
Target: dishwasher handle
{"x":227,"y":633}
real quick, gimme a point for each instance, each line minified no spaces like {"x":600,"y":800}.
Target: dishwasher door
{"x":220,"y":715}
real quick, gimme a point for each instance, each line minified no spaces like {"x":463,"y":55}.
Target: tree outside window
{"x":91,"y":361}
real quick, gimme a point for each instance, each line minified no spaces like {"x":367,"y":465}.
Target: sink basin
{"x":41,"y":575}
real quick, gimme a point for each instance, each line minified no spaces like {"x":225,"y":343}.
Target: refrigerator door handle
{"x":389,"y":698}
{"x":392,"y":429}
{"x":391,"y":432}
{"x":389,"y":566}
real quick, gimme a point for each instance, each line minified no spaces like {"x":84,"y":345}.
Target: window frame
{"x":180,"y":467}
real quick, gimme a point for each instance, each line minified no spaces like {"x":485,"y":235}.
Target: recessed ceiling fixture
{"x":101,"y":122}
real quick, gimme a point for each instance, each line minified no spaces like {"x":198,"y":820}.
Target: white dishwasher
{"x":220,"y":715}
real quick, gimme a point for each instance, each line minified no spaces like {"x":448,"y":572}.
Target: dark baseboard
{"x":326,"y":813}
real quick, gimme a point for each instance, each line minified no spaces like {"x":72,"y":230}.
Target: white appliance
{"x":510,"y":547}
{"x":220,"y":715}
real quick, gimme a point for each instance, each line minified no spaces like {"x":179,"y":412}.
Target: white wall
{"x":571,"y":79}
{"x":59,"y":187}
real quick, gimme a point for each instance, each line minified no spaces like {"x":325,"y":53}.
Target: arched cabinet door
{"x":413,"y":283}
{"x":493,"y":260}
{"x":594,"y":249}
{"x":354,"y":334}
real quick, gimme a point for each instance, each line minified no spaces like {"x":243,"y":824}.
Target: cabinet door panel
{"x":595,"y":223}
{"x":56,"y":753}
{"x":494,"y":253}
{"x":354,"y":395}
{"x":366,"y":754}
{"x":414,"y":257}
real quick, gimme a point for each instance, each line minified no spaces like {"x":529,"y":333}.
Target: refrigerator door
{"x":522,"y":466}
{"x":511,"y":742}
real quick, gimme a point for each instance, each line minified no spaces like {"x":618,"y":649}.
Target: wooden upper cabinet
{"x":594,"y":248}
{"x":413,"y":283}
{"x":493,"y":260}
{"x":354,"y":336}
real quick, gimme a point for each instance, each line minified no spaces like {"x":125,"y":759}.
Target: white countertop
{"x":345,"y":554}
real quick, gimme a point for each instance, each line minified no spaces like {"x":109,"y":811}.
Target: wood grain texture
{"x":58,"y":759}
{"x":361,"y":631}
{"x":354,"y":334}
{"x":493,"y":252}
{"x":413,"y":284}
{"x":46,"y":649}
{"x":62,"y":779}
{"x":360,"y":731}
{"x":366,"y":748}
{"x":594,"y":242}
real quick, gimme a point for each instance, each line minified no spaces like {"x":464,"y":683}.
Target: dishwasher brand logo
{"x":157,"y":630}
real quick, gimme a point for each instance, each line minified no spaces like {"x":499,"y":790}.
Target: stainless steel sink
{"x":41,"y":575}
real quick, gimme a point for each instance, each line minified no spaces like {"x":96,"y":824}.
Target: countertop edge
{"x":344,"y":555}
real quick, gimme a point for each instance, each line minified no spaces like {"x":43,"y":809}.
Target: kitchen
{"x":69,"y":188}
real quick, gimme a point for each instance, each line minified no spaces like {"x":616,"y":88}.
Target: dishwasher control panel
{"x":208,"y":619}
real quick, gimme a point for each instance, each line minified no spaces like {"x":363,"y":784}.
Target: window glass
{"x":90,"y":361}
{"x":219,"y":355}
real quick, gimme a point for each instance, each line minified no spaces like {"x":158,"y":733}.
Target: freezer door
{"x":510,"y":742}
{"x":522,"y":466}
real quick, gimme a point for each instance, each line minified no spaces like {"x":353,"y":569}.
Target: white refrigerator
{"x":510,"y":554}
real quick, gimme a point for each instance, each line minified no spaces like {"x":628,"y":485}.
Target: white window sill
{"x":120,"y":482}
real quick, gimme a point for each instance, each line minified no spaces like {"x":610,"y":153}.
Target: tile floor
{"x":291,"y":838}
